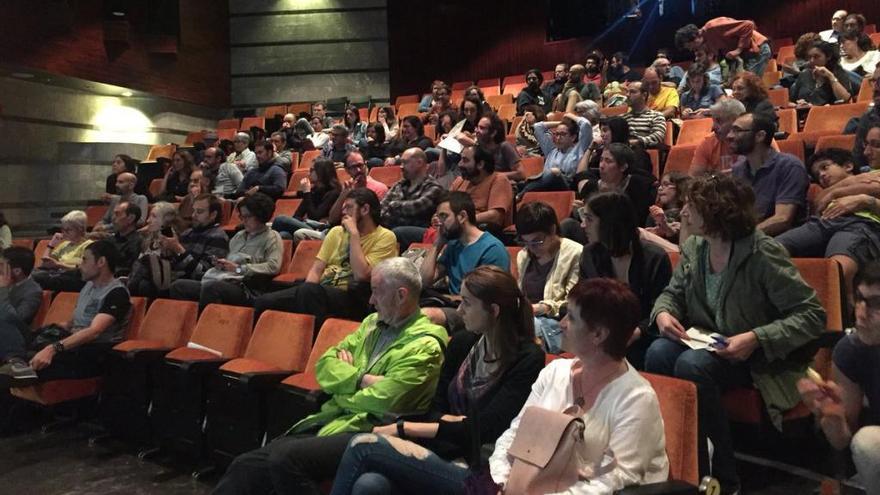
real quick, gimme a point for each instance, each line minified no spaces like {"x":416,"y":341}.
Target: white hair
{"x":589,"y":109}
{"x":243,"y":136}
{"x":77,"y":219}
{"x":727,"y":108}
{"x":400,"y":272}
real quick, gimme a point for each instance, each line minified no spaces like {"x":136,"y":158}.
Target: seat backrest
{"x":298,"y":108}
{"x":45,"y":302}
{"x":287,"y":254}
{"x":560,"y":201}
{"x":283,"y":340}
{"x":386,"y":175}
{"x":654,"y":155}
{"x":786,"y":54}
{"x":771,"y":78}
{"x":295,"y":178}
{"x":513,"y":251}
{"x":495,"y":101}
{"x":674,"y":258}
{"x":400,"y":100}
{"x":228,"y":124}
{"x":514,"y":88}
{"x":614,"y":111}
{"x":407,"y":109}
{"x":531,"y":165}
{"x":332,"y":332}
{"x":308,"y":158}
{"x":693,"y":131}
{"x":866,"y":92}
{"x":680,"y":158}
{"x":248,"y":122}
{"x":461,"y":85}
{"x":514,"y":123}
{"x":793,"y":146}
{"x":194,"y":137}
{"x":823,"y":275}
{"x":845,"y":141}
{"x":678,"y":407}
{"x":507,"y":111}
{"x":275,"y":110}
{"x":224,"y":328}
{"x":303,"y":258}
{"x":787,"y":120}
{"x":430,"y":132}
{"x":778,"y":96}
{"x":170,"y":322}
{"x":61,"y":309}
{"x":161,"y":151}
{"x":41,"y":247}
{"x":833,"y":118}
{"x":25,"y":242}
{"x":286,"y":207}
{"x":155,"y":188}
{"x":136,"y":318}
{"x":226,"y":134}
{"x":94,"y":214}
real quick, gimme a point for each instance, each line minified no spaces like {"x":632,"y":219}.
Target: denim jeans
{"x":865,"y":446}
{"x":548,"y":182}
{"x":712,"y":375}
{"x":758,"y":63}
{"x":286,"y":226}
{"x":548,"y":330}
{"x":373,"y":465}
{"x":407,"y":235}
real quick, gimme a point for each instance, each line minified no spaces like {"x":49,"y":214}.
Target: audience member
{"x":190,"y":255}
{"x":859,"y":55}
{"x":338,"y":282}
{"x":254,"y":257}
{"x":833,"y":35}
{"x":618,"y":71}
{"x":713,"y":152}
{"x":357,"y":170}
{"x":5,"y":232}
{"x":59,"y":263}
{"x":225,"y":176}
{"x":428,"y":100}
{"x":615,"y":250}
{"x":593,"y":69}
{"x":854,"y":23}
{"x":839,"y":403}
{"x":390,"y":364}
{"x":708,"y":62}
{"x":701,"y":94}
{"x":242,"y":157}
{"x":412,"y":134}
{"x":471,"y":111}
{"x":554,"y":87}
{"x":485,"y":379}
{"x":575,"y":90}
{"x":779,"y":180}
{"x":611,"y":130}
{"x":120,"y":165}
{"x":319,"y":110}
{"x":283,"y":155}
{"x":475,"y":92}
{"x":198,"y":184}
{"x":466,"y":247}
{"x":126,"y":237}
{"x":867,"y":121}
{"x":767,"y":313}
{"x":647,"y":127}
{"x":374,"y":148}
{"x":411,"y":202}
{"x":602,"y":315}
{"x":826,"y":82}
{"x":732,"y":37}
{"x":547,"y":267}
{"x":749,"y":89}
{"x":800,"y":62}
{"x":490,"y":135}
{"x":357,"y":130}
{"x":319,"y":192}
{"x":266,"y":178}
{"x":663,"y":99}
{"x":847,"y":227}
{"x":77,"y":348}
{"x":664,"y":218}
{"x":339,"y":145}
{"x":662,"y":66}
{"x":615,"y":174}
{"x":532,"y":93}
{"x":441,"y":104}
{"x":314,"y":130}
{"x":526,"y":142}
{"x":20,"y":295}
{"x":490,"y":191}
{"x":563,"y":143}
{"x":385,"y":116}
{"x":672,"y":72}
{"x":125,"y":183}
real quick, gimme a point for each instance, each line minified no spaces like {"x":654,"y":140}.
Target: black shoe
{"x":16,"y":372}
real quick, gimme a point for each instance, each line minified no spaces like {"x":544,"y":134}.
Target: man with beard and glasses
{"x":554,"y":87}
{"x":490,"y":191}
{"x":593,"y":69}
{"x":619,"y":71}
{"x":575,"y":90}
{"x":338,"y":282}
{"x":467,"y":247}
{"x":780,"y":180}
{"x":532,"y":94}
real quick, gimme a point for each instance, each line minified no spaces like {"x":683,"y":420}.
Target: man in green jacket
{"x":391,"y":363}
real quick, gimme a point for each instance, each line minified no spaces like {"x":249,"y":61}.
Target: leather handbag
{"x":554,"y":450}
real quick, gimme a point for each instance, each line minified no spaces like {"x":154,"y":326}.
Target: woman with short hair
{"x":59,"y":269}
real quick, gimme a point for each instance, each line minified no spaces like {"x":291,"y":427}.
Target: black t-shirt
{"x":861,"y":364}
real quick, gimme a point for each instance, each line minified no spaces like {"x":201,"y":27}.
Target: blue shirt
{"x":460,"y":260}
{"x":696,"y":101}
{"x":782,"y":179}
{"x":566,"y":161}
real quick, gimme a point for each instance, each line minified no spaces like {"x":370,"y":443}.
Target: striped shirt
{"x":648,"y":126}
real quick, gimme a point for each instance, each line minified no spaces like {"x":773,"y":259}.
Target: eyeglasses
{"x":872,"y":303}
{"x":739,"y":130}
{"x":585,"y":214}
{"x":667,"y":184}
{"x":532,"y":243}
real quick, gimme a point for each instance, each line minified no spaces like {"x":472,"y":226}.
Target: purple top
{"x":782,"y":179}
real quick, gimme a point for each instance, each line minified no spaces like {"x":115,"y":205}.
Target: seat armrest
{"x":671,"y":487}
{"x":201,"y":366}
{"x":262,"y":378}
{"x":146,"y":356}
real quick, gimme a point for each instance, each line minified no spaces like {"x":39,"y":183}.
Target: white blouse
{"x":628,"y":405}
{"x":868,"y":62}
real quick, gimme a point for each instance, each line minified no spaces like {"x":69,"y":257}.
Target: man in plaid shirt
{"x":408,"y":206}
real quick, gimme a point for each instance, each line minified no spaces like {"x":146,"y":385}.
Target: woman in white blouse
{"x":859,"y":54}
{"x":602,"y":314}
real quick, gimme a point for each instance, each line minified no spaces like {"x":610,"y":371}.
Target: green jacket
{"x":411,"y":367}
{"x":762,"y":292}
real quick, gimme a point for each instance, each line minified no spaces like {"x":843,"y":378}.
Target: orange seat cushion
{"x":745,"y":405}
{"x":58,"y":391}
{"x":187,"y":354}
{"x":138,"y":345}
{"x":245,"y":365}
{"x":305,"y":381}
{"x":287,"y":277}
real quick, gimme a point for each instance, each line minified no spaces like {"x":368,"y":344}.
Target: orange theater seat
{"x":155,"y":188}
{"x":94,"y":214}
{"x":387,"y":175}
{"x":166,"y":325}
{"x":495,"y":101}
{"x":286,"y":207}
{"x":248,"y":122}
{"x":400,"y":100}
{"x":407,"y":109}
{"x":507,"y":112}
{"x":693,"y":131}
{"x":778,"y":96}
{"x":194,"y":137}
{"x":680,"y":158}
{"x":844,"y":141}
{"x":614,"y":111}
{"x":792,"y":146}
{"x":829,"y":120}
{"x":25,"y":242}
{"x":279,"y":110}
{"x":308,"y":159}
{"x":514,"y":88}
{"x":678,"y":407}
{"x":788,"y":121}
{"x":301,"y":262}
{"x":513,"y":252}
{"x":561,"y":202}
{"x":228,"y":124}
{"x":300,"y":395}
{"x":531,"y":166}
{"x":45,"y":302}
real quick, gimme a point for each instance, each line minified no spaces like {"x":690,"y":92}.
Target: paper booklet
{"x":451,"y":142}
{"x":193,"y":345}
{"x":701,"y":339}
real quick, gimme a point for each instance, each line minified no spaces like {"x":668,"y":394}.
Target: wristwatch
{"x":239,"y":270}
{"x":58,"y":347}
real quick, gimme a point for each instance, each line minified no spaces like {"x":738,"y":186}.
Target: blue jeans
{"x":407,"y":235}
{"x":758,"y":62}
{"x":372,"y":465}
{"x":548,"y":330}
{"x":712,"y":375}
{"x":547,"y":182}
{"x":286,"y":226}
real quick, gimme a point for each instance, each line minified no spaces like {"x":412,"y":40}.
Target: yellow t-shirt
{"x":667,"y":97}
{"x":70,"y":254}
{"x":377,"y":246}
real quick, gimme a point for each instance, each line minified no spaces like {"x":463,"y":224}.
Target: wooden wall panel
{"x":264,"y":91}
{"x":289,"y":28}
{"x":320,"y":57}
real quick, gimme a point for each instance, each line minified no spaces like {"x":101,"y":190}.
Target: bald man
{"x":661,"y":98}
{"x":576,"y":90}
{"x":833,"y":35}
{"x":125,"y":183}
